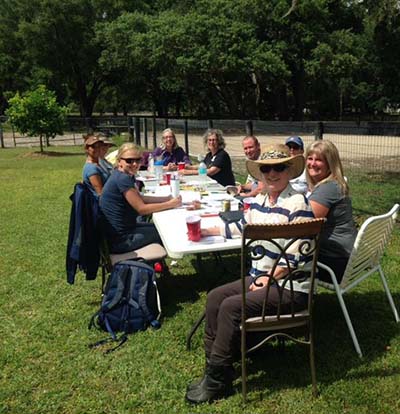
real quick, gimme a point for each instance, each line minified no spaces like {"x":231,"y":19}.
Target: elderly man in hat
{"x":278,"y":203}
{"x":296,"y":147}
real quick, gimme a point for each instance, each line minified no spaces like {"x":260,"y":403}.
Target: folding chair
{"x":294,"y":240}
{"x":151,"y":254}
{"x":365,"y":260}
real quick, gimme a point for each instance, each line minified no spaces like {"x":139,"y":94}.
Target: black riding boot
{"x":196,"y":383}
{"x":217,"y":383}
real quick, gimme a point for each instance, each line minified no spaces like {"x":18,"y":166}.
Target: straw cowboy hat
{"x":273,"y":155}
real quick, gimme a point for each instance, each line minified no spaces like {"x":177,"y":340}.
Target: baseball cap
{"x":91,"y":139}
{"x":295,"y":140}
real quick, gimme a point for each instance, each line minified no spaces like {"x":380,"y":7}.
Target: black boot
{"x":198,"y":381}
{"x":217,"y":383}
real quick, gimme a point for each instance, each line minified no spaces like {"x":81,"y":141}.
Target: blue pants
{"x":145,"y":234}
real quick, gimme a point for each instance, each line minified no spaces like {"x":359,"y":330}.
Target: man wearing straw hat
{"x":278,"y":203}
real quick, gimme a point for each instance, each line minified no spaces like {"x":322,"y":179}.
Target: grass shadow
{"x":272,"y":371}
{"x":50,"y":154}
{"x":206,"y":275}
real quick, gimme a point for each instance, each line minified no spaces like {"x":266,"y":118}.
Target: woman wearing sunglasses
{"x":121,"y":204}
{"x":278,"y":203}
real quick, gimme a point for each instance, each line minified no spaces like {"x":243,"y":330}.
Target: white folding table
{"x":171,"y":226}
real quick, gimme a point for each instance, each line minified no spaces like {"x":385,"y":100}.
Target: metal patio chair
{"x":364,"y":261}
{"x":299,"y":240}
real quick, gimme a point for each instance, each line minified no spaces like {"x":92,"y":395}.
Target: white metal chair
{"x":365,"y":260}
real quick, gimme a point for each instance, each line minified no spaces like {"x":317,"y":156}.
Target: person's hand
{"x":176,"y":201}
{"x":261,"y":282}
{"x":210,"y":231}
{"x":172,"y":167}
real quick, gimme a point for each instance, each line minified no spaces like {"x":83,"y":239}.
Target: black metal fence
{"x":363,"y":146}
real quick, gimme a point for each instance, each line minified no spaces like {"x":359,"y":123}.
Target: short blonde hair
{"x":330,"y":153}
{"x":128,"y":146}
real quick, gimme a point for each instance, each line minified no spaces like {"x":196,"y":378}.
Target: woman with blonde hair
{"x":329,"y":198}
{"x":170,"y":152}
{"x":121,"y":204}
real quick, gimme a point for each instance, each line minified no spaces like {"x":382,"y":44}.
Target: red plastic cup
{"x":181,"y":166}
{"x":246,"y":203}
{"x":167,"y":178}
{"x":193,"y":227}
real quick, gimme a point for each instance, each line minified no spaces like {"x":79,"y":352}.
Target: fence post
{"x":319,"y":131}
{"x":249,"y":128}
{"x":1,"y":135}
{"x":210,"y":123}
{"x":154,"y":132}
{"x":146,"y":141}
{"x":137,"y":130}
{"x":88,"y":125}
{"x":13,"y":134}
{"x":130,"y":129}
{"x":186,"y":135}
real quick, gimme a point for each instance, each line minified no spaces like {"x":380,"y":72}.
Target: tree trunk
{"x":41,"y":143}
{"x":298,"y":94}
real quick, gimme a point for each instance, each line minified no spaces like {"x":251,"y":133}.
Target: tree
{"x":37,"y":113}
{"x":57,"y":44}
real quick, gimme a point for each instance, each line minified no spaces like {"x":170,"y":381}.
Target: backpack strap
{"x":123,"y":338}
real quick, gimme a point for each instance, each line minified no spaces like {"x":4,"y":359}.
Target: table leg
{"x":193,"y":330}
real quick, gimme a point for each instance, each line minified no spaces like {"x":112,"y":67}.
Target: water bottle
{"x":202,"y":170}
{"x":150,"y":164}
{"x":158,"y":169}
{"x":174,"y":183}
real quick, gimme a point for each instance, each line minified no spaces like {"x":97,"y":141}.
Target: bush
{"x":37,"y":114}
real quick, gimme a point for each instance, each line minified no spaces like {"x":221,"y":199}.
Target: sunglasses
{"x":265,"y":169}
{"x":132,"y":160}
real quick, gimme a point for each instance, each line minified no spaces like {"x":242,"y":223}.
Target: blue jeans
{"x":145,"y":233}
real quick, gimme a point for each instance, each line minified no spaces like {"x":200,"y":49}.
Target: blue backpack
{"x":130,"y":303}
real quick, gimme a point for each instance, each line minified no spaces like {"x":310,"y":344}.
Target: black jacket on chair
{"x":83,"y":235}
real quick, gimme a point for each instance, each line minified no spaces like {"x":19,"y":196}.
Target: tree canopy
{"x":280,"y":59}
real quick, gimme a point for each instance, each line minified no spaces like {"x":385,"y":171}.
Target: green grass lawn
{"x":47,"y":366}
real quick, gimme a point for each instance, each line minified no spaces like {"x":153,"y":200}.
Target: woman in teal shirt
{"x":93,"y":175}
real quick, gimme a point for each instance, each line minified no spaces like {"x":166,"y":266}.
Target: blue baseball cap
{"x":295,"y":140}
